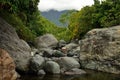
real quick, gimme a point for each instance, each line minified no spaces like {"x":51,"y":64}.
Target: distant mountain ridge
{"x":53,"y":16}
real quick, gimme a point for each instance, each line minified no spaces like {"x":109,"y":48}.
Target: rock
{"x":36,"y":63}
{"x":74,"y":52}
{"x":58,"y":53}
{"x":41,"y":72}
{"x":70,"y":54}
{"x":55,"y":59}
{"x":47,"y":52}
{"x":7,"y":66}
{"x":18,"y":49}
{"x":61,"y":43}
{"x":34,"y":51}
{"x":71,"y":46}
{"x":75,"y":71}
{"x":64,"y":50}
{"x":68,"y":63}
{"x":52,"y":67}
{"x":47,"y":59}
{"x":47,"y":40}
{"x":100,"y":50}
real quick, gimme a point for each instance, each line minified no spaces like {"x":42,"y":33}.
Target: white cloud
{"x":59,"y":5}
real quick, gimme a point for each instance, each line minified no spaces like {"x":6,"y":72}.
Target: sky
{"x":46,"y":5}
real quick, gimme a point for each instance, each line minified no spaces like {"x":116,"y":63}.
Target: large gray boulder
{"x":68,"y":63}
{"x":52,"y":67}
{"x":47,"y":40}
{"x":100,"y":50}
{"x":36,"y":63}
{"x":18,"y":49}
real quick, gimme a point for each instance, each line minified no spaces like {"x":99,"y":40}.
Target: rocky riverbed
{"x":98,"y":50}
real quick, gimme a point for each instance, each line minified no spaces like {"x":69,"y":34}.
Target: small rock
{"x":61,"y":43}
{"x":71,"y":46}
{"x":41,"y":72}
{"x":47,"y":52}
{"x":36,"y":63}
{"x":70,"y":54}
{"x":58,"y":54}
{"x":52,"y":67}
{"x":68,"y":63}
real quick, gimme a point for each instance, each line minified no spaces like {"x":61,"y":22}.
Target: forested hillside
{"x":26,"y":18}
{"x":100,"y":15}
{"x":53,"y":16}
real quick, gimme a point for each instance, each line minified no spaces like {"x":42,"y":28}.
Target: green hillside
{"x":54,"y":16}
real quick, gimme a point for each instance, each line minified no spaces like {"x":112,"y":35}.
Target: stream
{"x":91,"y":75}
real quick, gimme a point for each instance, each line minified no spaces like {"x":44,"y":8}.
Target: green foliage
{"x":64,"y":18}
{"x":99,"y":15}
{"x":58,"y":32}
{"x":25,"y":17}
{"x":23,"y":31}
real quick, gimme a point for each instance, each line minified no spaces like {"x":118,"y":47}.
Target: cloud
{"x":60,"y":5}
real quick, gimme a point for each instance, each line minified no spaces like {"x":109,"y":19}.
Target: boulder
{"x":7,"y":66}
{"x":68,"y":63}
{"x":52,"y":67}
{"x":100,"y":50}
{"x":47,"y":40}
{"x":18,"y":49}
{"x":36,"y":63}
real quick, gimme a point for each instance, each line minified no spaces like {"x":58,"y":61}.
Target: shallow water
{"x":91,"y":75}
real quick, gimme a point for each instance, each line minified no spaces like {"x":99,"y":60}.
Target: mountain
{"x":53,"y":16}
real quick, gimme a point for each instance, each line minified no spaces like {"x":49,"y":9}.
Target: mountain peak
{"x":53,"y":16}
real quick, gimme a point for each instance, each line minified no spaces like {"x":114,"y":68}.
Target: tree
{"x":99,"y":15}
